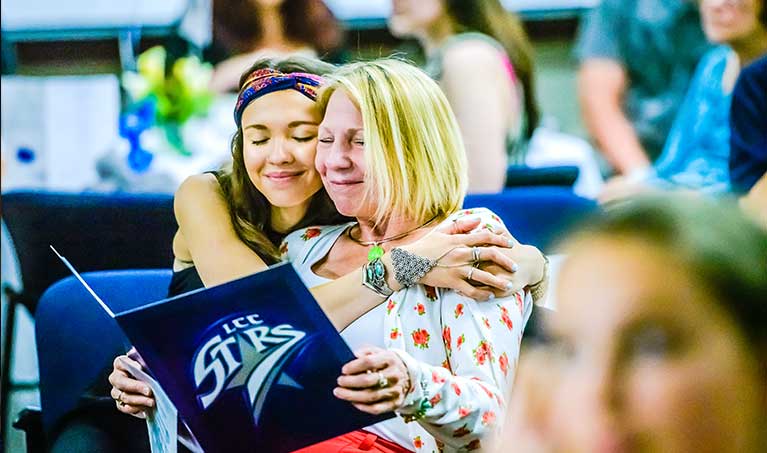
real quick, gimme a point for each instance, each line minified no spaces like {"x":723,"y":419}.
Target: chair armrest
{"x":30,"y":420}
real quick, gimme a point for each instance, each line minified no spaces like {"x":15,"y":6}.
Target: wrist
{"x":537,"y":271}
{"x":391,"y":280}
{"x":374,"y":277}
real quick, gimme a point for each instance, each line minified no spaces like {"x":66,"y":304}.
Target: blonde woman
{"x":390,"y":155}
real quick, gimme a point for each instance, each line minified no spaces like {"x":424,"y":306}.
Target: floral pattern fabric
{"x":461,"y":354}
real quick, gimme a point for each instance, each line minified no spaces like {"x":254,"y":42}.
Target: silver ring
{"x":475,"y":255}
{"x":471,"y":272}
{"x":383,"y":382}
{"x":120,"y":397}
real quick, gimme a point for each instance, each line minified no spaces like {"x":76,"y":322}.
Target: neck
{"x":752,"y":47}
{"x":434,"y":36}
{"x":272,"y":28}
{"x":370,"y":231}
{"x":284,"y":219}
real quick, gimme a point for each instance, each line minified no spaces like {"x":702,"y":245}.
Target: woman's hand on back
{"x":503,"y":266}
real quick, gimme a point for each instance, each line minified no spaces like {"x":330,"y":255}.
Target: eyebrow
{"x":291,"y":125}
{"x":352,"y":131}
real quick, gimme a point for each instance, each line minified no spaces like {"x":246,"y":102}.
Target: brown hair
{"x":237,"y":25}
{"x":248,"y":208}
{"x":491,"y":18}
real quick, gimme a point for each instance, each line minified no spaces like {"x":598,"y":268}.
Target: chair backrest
{"x":95,"y":231}
{"x":523,"y":176}
{"x":76,"y":339}
{"x":535,"y":215}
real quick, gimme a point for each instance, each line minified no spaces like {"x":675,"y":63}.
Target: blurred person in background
{"x":748,"y":140}
{"x":670,"y":354}
{"x":748,"y":127}
{"x":243,"y":30}
{"x":481,"y":56}
{"x":697,"y":151}
{"x":636,"y":61}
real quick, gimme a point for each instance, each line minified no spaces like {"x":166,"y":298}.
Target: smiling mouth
{"x":283,"y":175}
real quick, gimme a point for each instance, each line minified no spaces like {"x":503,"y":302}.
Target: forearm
{"x":602,"y":87}
{"x":615,"y":136}
{"x":346,"y":299}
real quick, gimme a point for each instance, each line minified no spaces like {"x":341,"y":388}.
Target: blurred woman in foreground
{"x":670,"y":354}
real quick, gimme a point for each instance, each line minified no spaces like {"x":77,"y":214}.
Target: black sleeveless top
{"x":188,"y":279}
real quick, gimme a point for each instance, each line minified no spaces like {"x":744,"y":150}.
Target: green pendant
{"x":375,"y":253}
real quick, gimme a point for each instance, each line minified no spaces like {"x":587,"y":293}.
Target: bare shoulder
{"x":199,"y":194}
{"x":474,"y":56}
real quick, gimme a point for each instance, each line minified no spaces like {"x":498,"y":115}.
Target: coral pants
{"x":355,"y":442}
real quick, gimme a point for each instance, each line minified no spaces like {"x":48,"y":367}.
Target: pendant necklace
{"x":376,"y":251}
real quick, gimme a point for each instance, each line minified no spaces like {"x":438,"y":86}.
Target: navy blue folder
{"x":250,"y":364}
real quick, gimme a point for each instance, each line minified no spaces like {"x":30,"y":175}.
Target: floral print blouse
{"x":461,"y":354}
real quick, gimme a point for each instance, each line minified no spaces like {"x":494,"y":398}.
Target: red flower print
{"x":488,"y":418}
{"x":283,"y":249}
{"x":446,"y":337}
{"x":520,"y":303}
{"x":310,"y":233}
{"x":420,"y":338}
{"x":435,"y":400}
{"x":483,"y":352}
{"x":487,"y":390}
{"x":458,"y":310}
{"x":420,"y":309}
{"x":503,"y":361}
{"x":486,"y":322}
{"x":395,"y":333}
{"x":456,"y":389}
{"x":495,"y":217}
{"x":417,"y":442}
{"x":505,"y":319}
{"x":462,"y":431}
{"x":473,"y":445}
{"x":390,"y":306}
{"x":464,"y":411}
{"x":436,"y":378}
{"x":460,"y":342}
{"x":446,"y":365}
{"x":431,"y":292}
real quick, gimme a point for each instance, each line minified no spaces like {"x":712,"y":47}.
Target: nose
{"x":604,"y":388}
{"x":280,"y":153}
{"x":337,"y":157}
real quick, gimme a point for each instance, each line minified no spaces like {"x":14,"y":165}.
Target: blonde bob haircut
{"x":416,"y":162}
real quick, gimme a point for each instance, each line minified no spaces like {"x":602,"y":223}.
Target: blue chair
{"x":96,"y":231}
{"x":77,"y":340}
{"x":535,"y":215}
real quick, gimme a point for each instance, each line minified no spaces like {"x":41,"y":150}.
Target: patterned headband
{"x":265,"y":81}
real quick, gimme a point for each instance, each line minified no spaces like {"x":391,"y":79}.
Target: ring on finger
{"x":120,"y":397}
{"x":475,"y":255}
{"x":383,"y":382}
{"x":471,"y":273}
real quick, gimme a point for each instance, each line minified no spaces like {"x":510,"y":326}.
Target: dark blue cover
{"x":250,"y":364}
